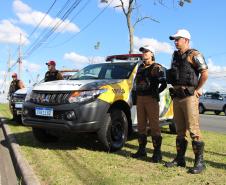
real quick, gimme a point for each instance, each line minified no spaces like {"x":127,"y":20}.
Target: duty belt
{"x":181,"y":91}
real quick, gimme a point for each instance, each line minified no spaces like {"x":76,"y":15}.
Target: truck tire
{"x":113,"y":133}
{"x":217,"y":112}
{"x":43,"y":135}
{"x":201,"y":109}
{"x":16,"y":118}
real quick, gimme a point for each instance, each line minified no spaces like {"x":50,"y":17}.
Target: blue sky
{"x":72,"y":45}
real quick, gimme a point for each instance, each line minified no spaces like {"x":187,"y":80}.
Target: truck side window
{"x":208,"y":96}
{"x":215,"y":96}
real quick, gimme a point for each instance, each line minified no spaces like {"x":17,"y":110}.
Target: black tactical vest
{"x":51,"y":76}
{"x":182,"y":72}
{"x":14,"y":86}
{"x":145,"y":83}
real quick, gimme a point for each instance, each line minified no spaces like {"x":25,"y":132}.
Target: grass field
{"x":79,"y":159}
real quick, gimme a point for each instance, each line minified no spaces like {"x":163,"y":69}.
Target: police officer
{"x":187,"y":75}
{"x":52,"y":74}
{"x":15,"y":85}
{"x":147,"y":88}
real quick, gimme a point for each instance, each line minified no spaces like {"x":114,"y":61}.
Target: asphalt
{"x":24,"y":170}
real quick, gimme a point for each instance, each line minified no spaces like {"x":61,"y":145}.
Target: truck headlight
{"x":28,"y":95}
{"x":81,"y":96}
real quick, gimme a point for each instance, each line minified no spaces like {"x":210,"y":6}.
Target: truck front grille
{"x":50,"y":98}
{"x":18,"y":98}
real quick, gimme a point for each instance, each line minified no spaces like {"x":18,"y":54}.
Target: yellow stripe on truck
{"x":118,"y":91}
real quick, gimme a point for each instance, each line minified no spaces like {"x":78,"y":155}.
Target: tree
{"x":128,"y":10}
{"x":132,"y":5}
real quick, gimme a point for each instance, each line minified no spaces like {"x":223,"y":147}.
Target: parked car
{"x":18,"y":97}
{"x":99,"y":99}
{"x":212,"y":101}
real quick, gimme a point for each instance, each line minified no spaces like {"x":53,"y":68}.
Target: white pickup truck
{"x":212,"y":101}
{"x":99,"y":98}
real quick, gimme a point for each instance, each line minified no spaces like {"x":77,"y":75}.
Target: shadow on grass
{"x":90,"y":142}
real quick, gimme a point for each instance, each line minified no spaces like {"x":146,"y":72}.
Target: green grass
{"x":79,"y":159}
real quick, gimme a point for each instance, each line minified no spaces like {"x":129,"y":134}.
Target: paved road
{"x":213,"y":123}
{"x":7,"y":172}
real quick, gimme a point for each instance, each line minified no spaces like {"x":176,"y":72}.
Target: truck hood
{"x":21,"y":91}
{"x":72,"y":85}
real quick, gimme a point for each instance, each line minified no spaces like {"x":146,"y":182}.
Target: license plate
{"x":19,"y":105}
{"x":44,"y":111}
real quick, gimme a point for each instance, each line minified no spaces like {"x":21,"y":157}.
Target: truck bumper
{"x":87,"y":117}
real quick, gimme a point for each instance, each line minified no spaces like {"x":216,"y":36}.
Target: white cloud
{"x":19,"y":6}
{"x":2,"y":73}
{"x":31,"y":17}
{"x":217,"y":77}
{"x":4,"y":87}
{"x":158,"y":46}
{"x":30,"y":67}
{"x":215,"y":70}
{"x":213,"y":86}
{"x":81,"y":61}
{"x":10,"y":33}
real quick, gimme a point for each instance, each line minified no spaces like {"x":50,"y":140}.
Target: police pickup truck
{"x":212,"y":101}
{"x":99,"y":98}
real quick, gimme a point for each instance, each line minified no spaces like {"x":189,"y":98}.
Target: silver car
{"x":212,"y":101}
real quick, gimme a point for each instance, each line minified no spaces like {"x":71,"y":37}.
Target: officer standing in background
{"x":187,"y":75}
{"x":52,"y":74}
{"x":147,"y":88}
{"x":15,"y":85}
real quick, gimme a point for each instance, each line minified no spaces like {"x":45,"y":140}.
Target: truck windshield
{"x":119,"y":70}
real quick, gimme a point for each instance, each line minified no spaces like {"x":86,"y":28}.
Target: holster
{"x":181,"y":92}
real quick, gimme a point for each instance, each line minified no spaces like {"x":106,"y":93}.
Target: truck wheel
{"x":17,"y":118}
{"x":172,"y":128}
{"x":217,"y":112}
{"x":43,"y":135}
{"x":201,"y":109}
{"x":113,"y":133}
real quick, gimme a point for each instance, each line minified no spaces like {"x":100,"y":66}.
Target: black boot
{"x":142,"y":140}
{"x":157,"y":154}
{"x":181,"y":145}
{"x":199,"y":166}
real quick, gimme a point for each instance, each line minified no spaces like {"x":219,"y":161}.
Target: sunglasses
{"x":178,"y":38}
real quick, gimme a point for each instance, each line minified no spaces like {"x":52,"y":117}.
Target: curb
{"x":27,"y":174}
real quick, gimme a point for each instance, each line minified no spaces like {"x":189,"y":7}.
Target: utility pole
{"x":9,"y":65}
{"x":20,"y":60}
{"x":8,"y":74}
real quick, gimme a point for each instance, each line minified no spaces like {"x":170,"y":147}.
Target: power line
{"x":56,"y":26}
{"x":84,"y":28}
{"x":33,"y":31}
{"x":72,"y":19}
{"x":46,"y":13}
{"x":49,"y":25}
